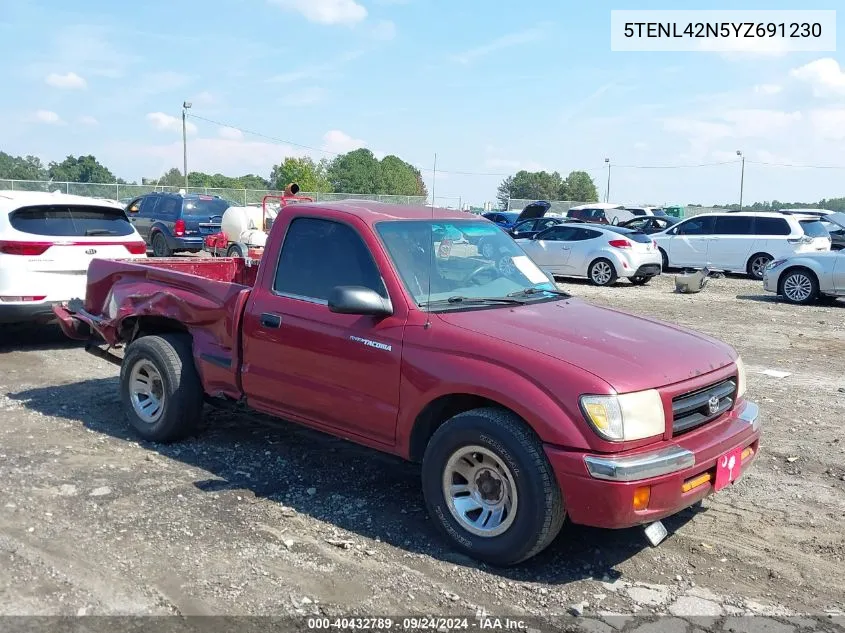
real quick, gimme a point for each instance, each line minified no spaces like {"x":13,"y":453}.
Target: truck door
{"x":301,"y":360}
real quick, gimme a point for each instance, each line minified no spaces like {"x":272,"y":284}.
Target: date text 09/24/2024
{"x":481,"y":622}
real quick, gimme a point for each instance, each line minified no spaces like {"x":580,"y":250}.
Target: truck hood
{"x":628,"y":352}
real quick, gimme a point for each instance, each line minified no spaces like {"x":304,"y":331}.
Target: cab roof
{"x":372,"y":212}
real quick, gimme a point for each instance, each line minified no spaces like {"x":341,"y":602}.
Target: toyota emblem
{"x":91,"y":251}
{"x":713,"y":404}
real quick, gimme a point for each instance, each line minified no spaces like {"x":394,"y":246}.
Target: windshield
{"x":458,"y":267}
{"x":62,"y":220}
{"x":814,"y":228}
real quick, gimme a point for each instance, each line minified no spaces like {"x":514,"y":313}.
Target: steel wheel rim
{"x":601,"y":273}
{"x":797,"y":287}
{"x":480,"y":491}
{"x":759,"y":265}
{"x":146,"y":391}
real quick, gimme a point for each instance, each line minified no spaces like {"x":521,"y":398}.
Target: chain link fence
{"x":125,"y":193}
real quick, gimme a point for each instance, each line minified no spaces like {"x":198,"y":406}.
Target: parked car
{"x":650,"y":224}
{"x":47,"y":241}
{"x":525,"y":405}
{"x":807,"y":277}
{"x":739,"y":242}
{"x":535,"y":210}
{"x":601,"y":254}
{"x":175,"y":222}
{"x":600,"y":213}
{"x":642,"y":211}
{"x":837,"y":234}
{"x":530,"y":228}
{"x":505,"y":219}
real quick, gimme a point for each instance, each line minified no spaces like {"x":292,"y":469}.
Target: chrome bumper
{"x":662,"y":462}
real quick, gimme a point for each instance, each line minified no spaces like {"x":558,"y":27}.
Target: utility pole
{"x":185,"y":107}
{"x":607,"y":192}
{"x":741,"y":177}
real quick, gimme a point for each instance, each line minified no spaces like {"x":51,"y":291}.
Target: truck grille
{"x":693,"y":409}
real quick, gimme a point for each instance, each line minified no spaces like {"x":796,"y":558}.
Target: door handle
{"x":271,"y":320}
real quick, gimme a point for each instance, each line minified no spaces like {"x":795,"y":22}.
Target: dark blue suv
{"x":174,"y":222}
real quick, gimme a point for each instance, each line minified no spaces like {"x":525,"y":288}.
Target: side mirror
{"x":358,"y":300}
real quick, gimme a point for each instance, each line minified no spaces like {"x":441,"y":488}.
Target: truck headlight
{"x":740,"y":378}
{"x":626,"y":417}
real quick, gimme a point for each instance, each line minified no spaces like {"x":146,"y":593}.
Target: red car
{"x":524,"y":405}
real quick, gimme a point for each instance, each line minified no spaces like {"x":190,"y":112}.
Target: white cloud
{"x":314,"y":71}
{"x":88,"y":120}
{"x":768,"y":89}
{"x":345,"y":12}
{"x":385,"y":30}
{"x":516,"y":38}
{"x":46,"y":116}
{"x":828,"y":124}
{"x":70,"y":81}
{"x":304,"y":97}
{"x":824,"y":75}
{"x":339,"y":142}
{"x":162,"y":121}
{"x":230,"y":133}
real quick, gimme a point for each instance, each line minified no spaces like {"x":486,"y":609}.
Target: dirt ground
{"x":254,"y":519}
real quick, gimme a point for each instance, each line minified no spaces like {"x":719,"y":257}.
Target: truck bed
{"x":204,"y":296}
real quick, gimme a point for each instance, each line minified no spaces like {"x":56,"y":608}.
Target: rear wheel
{"x":602,"y":273}
{"x":160,"y":389}
{"x":490,"y":488}
{"x":236,"y":250}
{"x":160,"y":247}
{"x":757,"y":265}
{"x":640,"y":280}
{"x":799,"y":286}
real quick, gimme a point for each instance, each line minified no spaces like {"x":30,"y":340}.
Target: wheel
{"x":160,"y":247}
{"x":757,"y":265}
{"x":602,"y":273}
{"x":487,"y":250}
{"x":799,"y":285}
{"x":640,"y":281}
{"x":161,"y":391}
{"x":665,"y":259}
{"x":489,"y":487}
{"x":236,"y":250}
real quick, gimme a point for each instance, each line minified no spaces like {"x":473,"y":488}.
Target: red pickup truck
{"x":383,"y":325}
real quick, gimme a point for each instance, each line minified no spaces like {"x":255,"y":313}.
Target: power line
{"x":759,"y":162}
{"x":726,"y":162}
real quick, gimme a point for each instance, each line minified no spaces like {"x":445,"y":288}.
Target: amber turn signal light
{"x":641,"y":497}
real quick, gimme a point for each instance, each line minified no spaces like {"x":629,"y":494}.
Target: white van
{"x":739,"y":242}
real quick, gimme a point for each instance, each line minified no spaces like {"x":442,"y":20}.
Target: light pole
{"x":185,"y":107}
{"x":607,"y":192}
{"x":741,"y":177}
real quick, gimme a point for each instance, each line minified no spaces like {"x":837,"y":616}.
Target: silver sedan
{"x":807,"y":277}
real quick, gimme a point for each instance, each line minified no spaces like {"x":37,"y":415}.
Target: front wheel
{"x":799,"y":286}
{"x":757,"y":265}
{"x":160,"y":389}
{"x":489,"y":487}
{"x":602,"y":273}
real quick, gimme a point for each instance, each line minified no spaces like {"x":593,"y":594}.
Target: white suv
{"x":46,"y":243}
{"x":739,"y":242}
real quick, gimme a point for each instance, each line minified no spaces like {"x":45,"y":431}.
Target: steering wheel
{"x":481,"y":269}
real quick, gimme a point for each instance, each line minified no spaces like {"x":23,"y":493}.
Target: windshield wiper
{"x":469,"y":300}
{"x":100,"y":232}
{"x":536,"y":291}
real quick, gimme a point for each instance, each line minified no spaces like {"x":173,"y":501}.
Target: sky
{"x":489,"y":86}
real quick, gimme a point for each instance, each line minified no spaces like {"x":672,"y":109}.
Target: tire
{"x":160,"y":247}
{"x":757,"y":264}
{"x":166,"y":364}
{"x":509,"y":443}
{"x":798,"y":286}
{"x":665,"y":259}
{"x":640,"y":281}
{"x":602,"y":273}
{"x":236,"y":250}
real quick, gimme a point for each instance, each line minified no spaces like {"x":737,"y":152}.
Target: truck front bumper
{"x":599,"y":490}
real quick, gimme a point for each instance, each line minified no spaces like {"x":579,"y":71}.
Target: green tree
{"x":310,"y":176}
{"x":503,"y":192}
{"x":400,"y":178}
{"x":355,"y":172}
{"x":538,"y":185}
{"x":171,"y":178}
{"x":81,"y":169}
{"x":579,"y":187}
{"x":21,"y":167}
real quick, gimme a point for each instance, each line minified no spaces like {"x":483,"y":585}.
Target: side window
{"x":637,"y":212}
{"x":697,"y":226}
{"x":733,"y":225}
{"x":318,"y":255}
{"x":134,"y":206}
{"x":771,"y":226}
{"x":148,"y":205}
{"x":544,"y":224}
{"x":169,"y":207}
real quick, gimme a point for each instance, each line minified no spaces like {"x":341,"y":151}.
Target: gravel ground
{"x":252,"y":518}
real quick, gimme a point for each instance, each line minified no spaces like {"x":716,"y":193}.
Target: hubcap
{"x":601,"y":273}
{"x":146,"y":391}
{"x":480,"y":491}
{"x":797,"y":287}
{"x":506,"y":266}
{"x":759,"y":265}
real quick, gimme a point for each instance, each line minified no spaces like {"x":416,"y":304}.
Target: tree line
{"x":542,"y":185}
{"x":356,"y":172}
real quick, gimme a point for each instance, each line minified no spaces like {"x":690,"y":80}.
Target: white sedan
{"x":602,"y":254}
{"x":47,"y":241}
{"x":803,"y":278}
